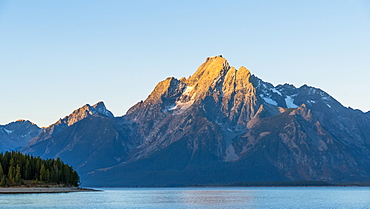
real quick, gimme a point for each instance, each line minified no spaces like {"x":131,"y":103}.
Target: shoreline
{"x":37,"y":190}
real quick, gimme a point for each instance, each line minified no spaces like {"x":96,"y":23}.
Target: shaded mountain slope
{"x":88,"y":139}
{"x":15,"y":135}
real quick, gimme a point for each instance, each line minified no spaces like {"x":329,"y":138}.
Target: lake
{"x":208,"y":197}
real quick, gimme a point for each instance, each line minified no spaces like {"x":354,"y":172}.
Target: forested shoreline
{"x":18,"y":169}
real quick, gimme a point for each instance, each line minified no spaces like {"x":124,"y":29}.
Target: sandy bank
{"x":25,"y":190}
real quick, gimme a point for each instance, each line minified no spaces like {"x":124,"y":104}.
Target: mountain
{"x":77,"y":115}
{"x":89,"y":138}
{"x":221,"y":125}
{"x":15,"y":135}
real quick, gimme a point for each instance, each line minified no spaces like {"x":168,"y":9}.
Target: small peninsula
{"x":21,"y":173}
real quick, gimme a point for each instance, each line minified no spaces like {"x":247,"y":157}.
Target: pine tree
{"x":11,"y":174}
{"x":27,"y":170}
{"x":2,"y":176}
{"x":47,"y":175}
{"x":18,"y":174}
{"x":3,"y":182}
{"x":42,"y":173}
{"x":1,"y":171}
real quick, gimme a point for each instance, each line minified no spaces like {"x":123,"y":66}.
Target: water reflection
{"x":264,"y":197}
{"x":173,"y":197}
{"x":216,"y":197}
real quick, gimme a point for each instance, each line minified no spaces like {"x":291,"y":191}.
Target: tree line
{"x":16,"y":168}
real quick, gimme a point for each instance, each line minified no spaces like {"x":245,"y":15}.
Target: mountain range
{"x":220,"y":126}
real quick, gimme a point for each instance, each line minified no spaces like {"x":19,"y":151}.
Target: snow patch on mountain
{"x":7,"y":131}
{"x":269,"y":100}
{"x":290,"y":102}
{"x":188,"y":90}
{"x":184,"y":102}
{"x":230,"y":154}
{"x":182,"y":106}
{"x":100,"y":108}
{"x":276,"y":91}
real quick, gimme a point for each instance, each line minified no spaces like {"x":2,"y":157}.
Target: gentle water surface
{"x":214,"y":197}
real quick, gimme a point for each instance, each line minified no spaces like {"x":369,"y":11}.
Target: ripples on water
{"x":217,"y":197}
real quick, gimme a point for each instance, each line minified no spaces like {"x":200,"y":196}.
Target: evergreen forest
{"x":19,"y":169}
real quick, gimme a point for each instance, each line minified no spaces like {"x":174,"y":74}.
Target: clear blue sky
{"x":56,"y":56}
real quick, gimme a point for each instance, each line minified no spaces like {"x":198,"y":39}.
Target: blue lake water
{"x":210,"y":197}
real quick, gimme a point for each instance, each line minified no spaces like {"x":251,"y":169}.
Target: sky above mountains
{"x":57,"y":56}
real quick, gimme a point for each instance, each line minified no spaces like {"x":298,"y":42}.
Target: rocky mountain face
{"x":77,"y":115}
{"x":89,"y":138}
{"x":15,"y":135}
{"x":221,"y":125}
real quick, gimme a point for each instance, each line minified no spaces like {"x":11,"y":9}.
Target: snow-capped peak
{"x":100,"y":108}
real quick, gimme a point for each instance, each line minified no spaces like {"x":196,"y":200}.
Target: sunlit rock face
{"x":221,"y":125}
{"x":98,"y":109}
{"x":215,"y":99}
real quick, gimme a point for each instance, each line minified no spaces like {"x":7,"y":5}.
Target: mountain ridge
{"x":221,"y":125}
{"x":230,"y":143}
{"x":17,"y":134}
